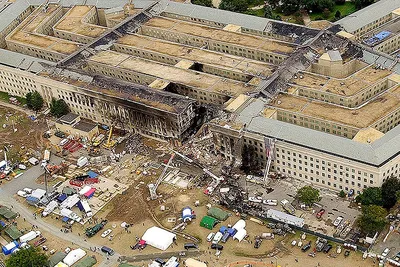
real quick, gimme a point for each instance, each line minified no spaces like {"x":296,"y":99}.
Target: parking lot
{"x":286,"y":189}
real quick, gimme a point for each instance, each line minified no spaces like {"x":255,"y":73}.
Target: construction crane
{"x":109,"y":142}
{"x":153,"y":187}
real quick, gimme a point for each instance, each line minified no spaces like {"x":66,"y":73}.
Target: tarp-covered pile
{"x":217,"y":213}
{"x":13,"y":232}
{"x":7,"y":213}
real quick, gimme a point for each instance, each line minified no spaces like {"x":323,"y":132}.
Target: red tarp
{"x":90,"y":193}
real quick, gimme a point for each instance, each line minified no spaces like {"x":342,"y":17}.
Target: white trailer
{"x":29,"y":236}
{"x":86,"y":208}
{"x":46,"y":155}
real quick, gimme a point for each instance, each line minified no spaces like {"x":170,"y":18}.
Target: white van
{"x":217,"y":238}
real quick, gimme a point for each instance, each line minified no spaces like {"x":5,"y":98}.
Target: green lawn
{"x":5,"y":97}
{"x":345,"y":9}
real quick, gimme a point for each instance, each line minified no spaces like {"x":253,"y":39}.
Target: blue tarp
{"x":32,"y":200}
{"x":231,"y":231}
{"x":223,"y":229}
{"x":65,"y":219}
{"x":3,"y":224}
{"x":79,"y":204}
{"x":92,"y":174}
{"x":62,"y":197}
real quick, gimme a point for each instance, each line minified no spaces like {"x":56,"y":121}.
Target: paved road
{"x":161,"y":255}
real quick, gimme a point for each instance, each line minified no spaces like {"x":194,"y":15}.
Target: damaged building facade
{"x":324,"y":125}
{"x":146,"y":66}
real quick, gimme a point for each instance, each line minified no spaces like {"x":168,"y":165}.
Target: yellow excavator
{"x":110,"y":143}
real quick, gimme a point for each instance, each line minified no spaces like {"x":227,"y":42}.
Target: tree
{"x":58,"y":108}
{"x":373,"y":219}
{"x":389,"y":189}
{"x":27,"y":258}
{"x":326,"y":13}
{"x":290,"y":6}
{"x":338,"y":14}
{"x":28,"y":97}
{"x":362,"y":3}
{"x":273,"y":3}
{"x":318,"y":5}
{"x":234,"y":5}
{"x":308,"y":195}
{"x":34,"y":101}
{"x":371,"y":196}
{"x":203,"y":3}
{"x":342,"y":194}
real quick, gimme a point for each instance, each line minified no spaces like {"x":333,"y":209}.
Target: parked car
{"x":217,"y":246}
{"x":189,"y":246}
{"x":255,"y":199}
{"x":59,"y":134}
{"x":385,"y":252}
{"x":27,"y":190}
{"x":306,"y":247}
{"x":257,"y":242}
{"x":327,"y":248}
{"x":107,"y":250}
{"x":106,"y":233}
{"x":217,"y":238}
{"x":337,"y":221}
{"x":320,"y":213}
{"x":64,"y":141}
{"x":22,"y":193}
{"x":210,"y":237}
{"x":21,"y":167}
{"x":270,"y":202}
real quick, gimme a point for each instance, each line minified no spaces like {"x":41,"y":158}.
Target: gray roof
{"x":334,"y":55}
{"x":68,"y":118}
{"x":375,"y":57}
{"x":368,"y":14}
{"x":23,"y":62}
{"x":375,"y":154}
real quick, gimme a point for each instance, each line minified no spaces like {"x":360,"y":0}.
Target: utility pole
{"x":45,"y":181}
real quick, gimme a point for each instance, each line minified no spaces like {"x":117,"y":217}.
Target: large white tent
{"x":240,"y":235}
{"x":194,"y":263}
{"x":74,"y":256}
{"x":158,"y":238}
{"x":241,"y":224}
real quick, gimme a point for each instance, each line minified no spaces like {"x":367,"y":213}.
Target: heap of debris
{"x":134,"y":145}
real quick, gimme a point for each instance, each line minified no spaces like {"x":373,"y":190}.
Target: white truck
{"x":86,"y":208}
{"x":288,"y":207}
{"x":33,"y":161}
{"x":46,"y":155}
{"x":29,"y":236}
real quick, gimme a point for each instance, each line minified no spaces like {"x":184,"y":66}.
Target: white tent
{"x":158,"y":238}
{"x":194,"y":263}
{"x":241,"y":233}
{"x":241,"y":224}
{"x":85,"y":189}
{"x":74,"y":256}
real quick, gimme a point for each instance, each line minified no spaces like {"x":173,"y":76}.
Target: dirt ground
{"x":28,"y":134}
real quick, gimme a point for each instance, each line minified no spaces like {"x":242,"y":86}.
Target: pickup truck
{"x":40,"y":241}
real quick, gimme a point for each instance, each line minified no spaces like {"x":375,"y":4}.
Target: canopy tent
{"x":158,"y":238}
{"x":240,"y":235}
{"x":9,"y":248}
{"x":89,"y":261}
{"x":208,"y":222}
{"x":232,"y":231}
{"x":74,"y":256}
{"x":13,"y":232}
{"x":194,"y":263}
{"x":61,"y":264}
{"x":223,"y":229}
{"x":92,"y":174}
{"x":85,"y":189}
{"x":7,"y":213}
{"x":187,"y":214}
{"x":56,"y":258}
{"x":217,"y":213}
{"x":241,"y":224}
{"x":90,"y":193}
{"x":69,"y":191}
{"x":62,"y":197}
{"x":38,"y":193}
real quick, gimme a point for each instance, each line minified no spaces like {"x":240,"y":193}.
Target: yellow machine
{"x":110,"y":143}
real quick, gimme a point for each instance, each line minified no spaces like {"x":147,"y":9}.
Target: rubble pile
{"x":134,"y":145}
